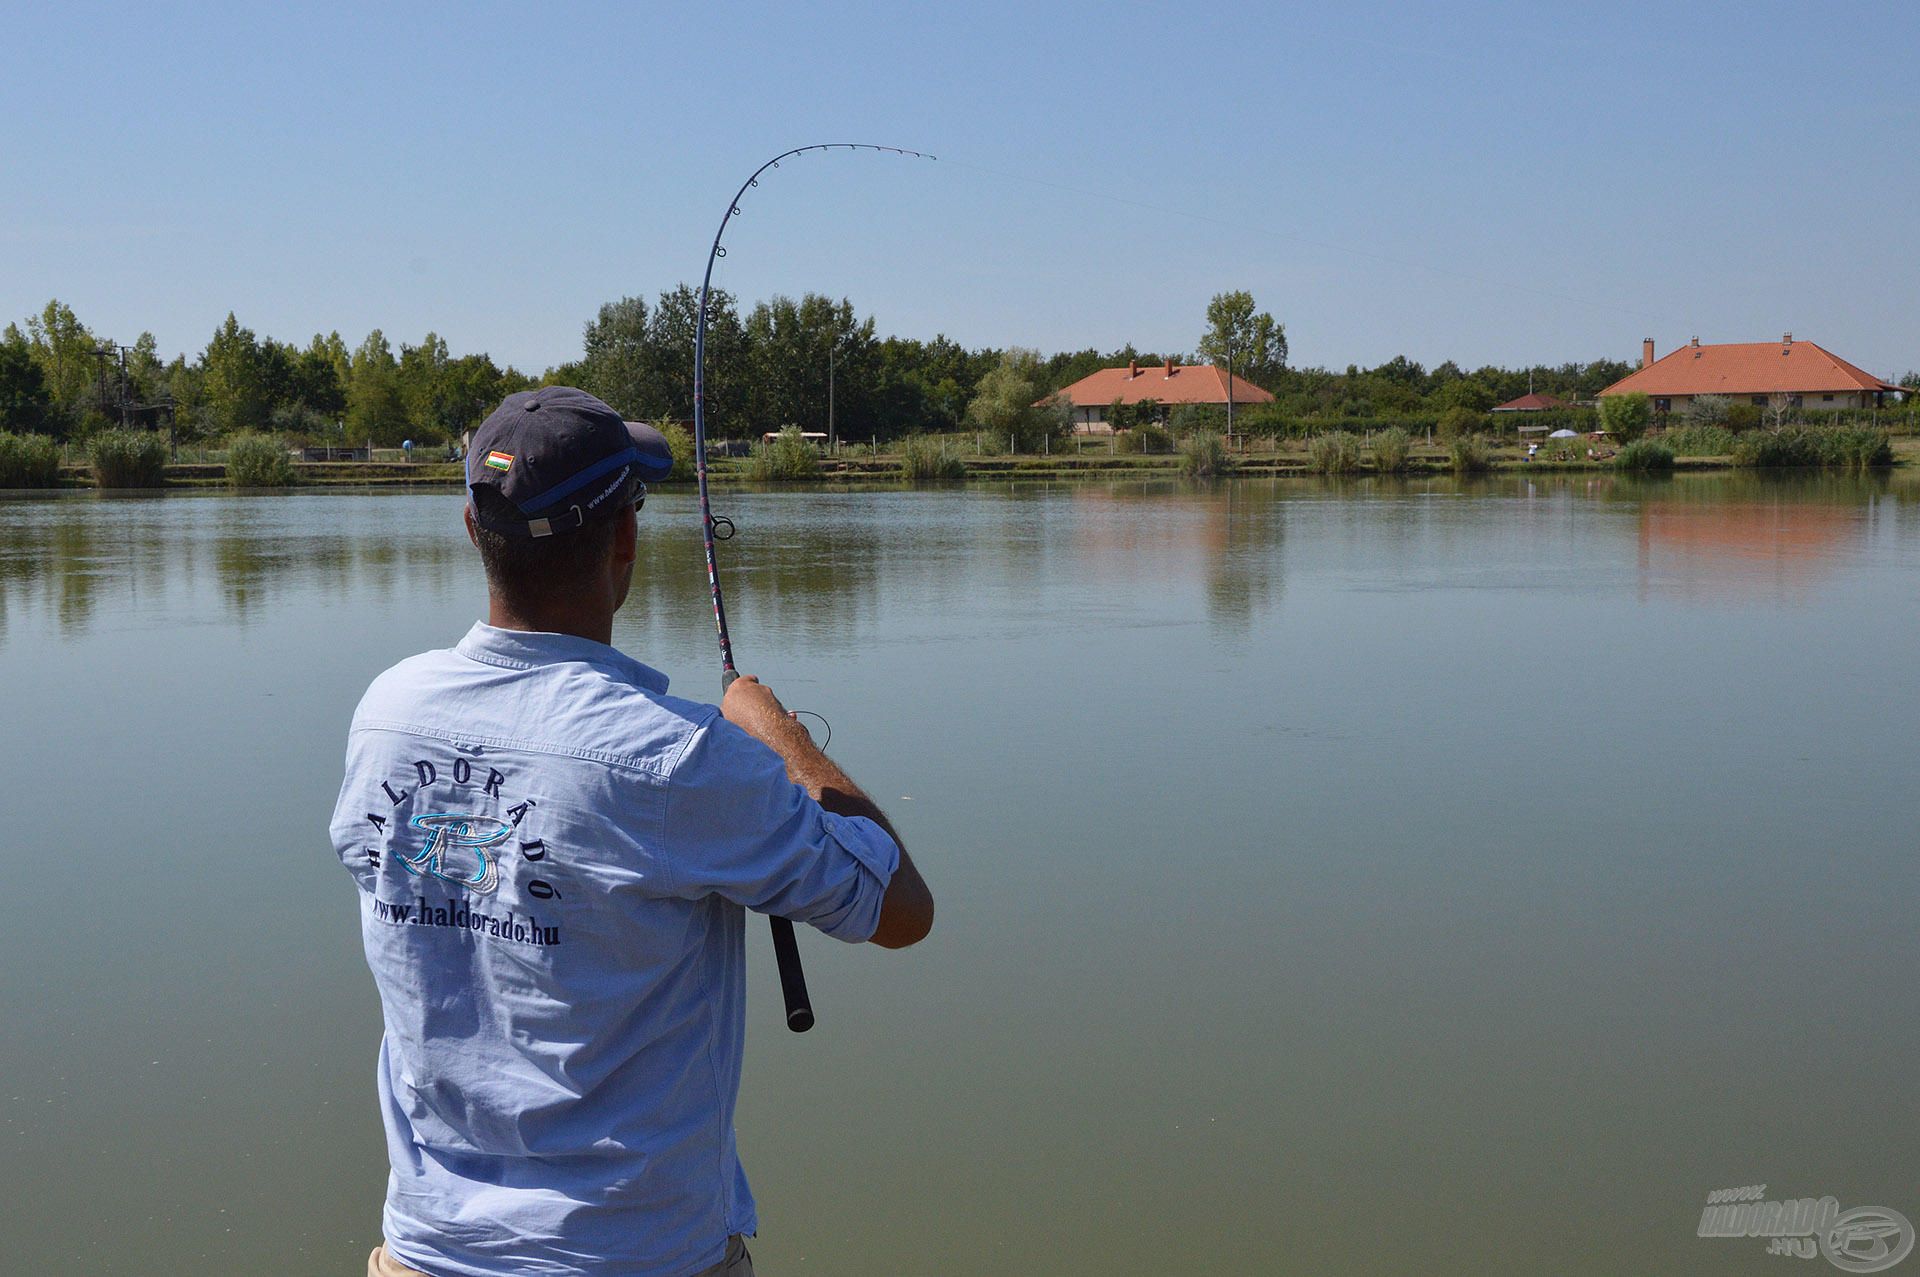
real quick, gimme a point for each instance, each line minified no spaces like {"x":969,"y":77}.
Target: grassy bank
{"x":908,"y":462}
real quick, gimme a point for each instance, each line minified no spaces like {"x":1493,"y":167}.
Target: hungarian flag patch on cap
{"x":500,"y":460}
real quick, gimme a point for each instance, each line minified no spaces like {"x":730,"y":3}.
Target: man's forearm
{"x":809,"y":767}
{"x":906,"y":913}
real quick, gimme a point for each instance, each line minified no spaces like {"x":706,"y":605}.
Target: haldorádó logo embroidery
{"x":450,"y":832}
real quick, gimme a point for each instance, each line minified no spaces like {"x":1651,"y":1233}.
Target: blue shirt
{"x":554,"y":860}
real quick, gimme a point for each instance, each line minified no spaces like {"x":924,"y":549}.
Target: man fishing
{"x":555,"y":859}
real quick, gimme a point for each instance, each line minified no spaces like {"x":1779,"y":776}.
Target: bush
{"x":1336,"y":452}
{"x":1856,"y":447}
{"x":1706,"y":410}
{"x":29,"y":461}
{"x":1459,"y":421}
{"x":1390,"y":449}
{"x":258,"y":461}
{"x":1625,"y":417}
{"x":1469,"y":454}
{"x":924,"y":460}
{"x":1267,"y":420}
{"x":1204,"y":456}
{"x":128,"y":459}
{"x":298,"y":419}
{"x":1186,"y":418}
{"x":1645,"y":455}
{"x":680,"y":444}
{"x":1144,"y":438}
{"x":1743,"y":416}
{"x":788,"y":456}
{"x":1698,"y":441}
{"x":1771,"y":449}
{"x":1842,"y":447}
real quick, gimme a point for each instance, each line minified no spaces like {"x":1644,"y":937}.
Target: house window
{"x":1663,"y":405}
{"x":1794,"y":400}
{"x":1759,"y":401}
{"x":1826,"y":398}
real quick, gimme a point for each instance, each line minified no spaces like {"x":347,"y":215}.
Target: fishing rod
{"x":786,"y":950}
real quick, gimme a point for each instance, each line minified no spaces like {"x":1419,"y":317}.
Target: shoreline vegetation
{"x":253,"y":463}
{"x":927,"y":412}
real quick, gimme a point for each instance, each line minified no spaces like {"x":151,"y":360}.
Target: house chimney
{"x":1169,"y":365}
{"x":1696,"y":343}
{"x":1646,"y":352}
{"x":1786,"y":339}
{"x":1133,"y":368}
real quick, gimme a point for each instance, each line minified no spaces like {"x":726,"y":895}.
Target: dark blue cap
{"x":562,"y":459}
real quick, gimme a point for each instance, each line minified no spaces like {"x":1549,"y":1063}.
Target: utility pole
{"x":832,"y":435}
{"x":1229,"y":391}
{"x":123,"y":400}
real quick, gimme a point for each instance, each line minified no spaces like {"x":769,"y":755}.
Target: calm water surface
{"x":1362,"y":879}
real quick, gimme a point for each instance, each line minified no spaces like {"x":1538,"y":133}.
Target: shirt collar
{"x":525,"y":649}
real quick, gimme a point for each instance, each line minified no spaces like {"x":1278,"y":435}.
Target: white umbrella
{"x":1564,"y":434}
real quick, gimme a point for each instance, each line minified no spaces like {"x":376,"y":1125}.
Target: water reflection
{"x":1775,"y":536}
{"x":1229,"y":536}
{"x":64,"y":559}
{"x":816,"y":565}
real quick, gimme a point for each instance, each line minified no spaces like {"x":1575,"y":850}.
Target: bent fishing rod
{"x":786,"y":950}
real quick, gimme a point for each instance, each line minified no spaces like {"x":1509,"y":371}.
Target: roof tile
{"x":1748,"y":368}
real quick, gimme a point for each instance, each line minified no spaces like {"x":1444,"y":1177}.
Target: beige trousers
{"x":735,"y":1263}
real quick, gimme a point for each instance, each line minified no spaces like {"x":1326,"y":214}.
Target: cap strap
{"x":580,"y":480}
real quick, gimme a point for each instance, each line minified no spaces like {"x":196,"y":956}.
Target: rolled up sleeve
{"x":736,"y":827}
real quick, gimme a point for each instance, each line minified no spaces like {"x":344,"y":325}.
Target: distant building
{"x":1170,"y":384}
{"x":1767,"y":374}
{"x":1531,"y":402}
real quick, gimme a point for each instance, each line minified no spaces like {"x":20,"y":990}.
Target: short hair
{"x":529,"y":571}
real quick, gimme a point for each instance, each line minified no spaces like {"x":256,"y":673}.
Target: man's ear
{"x":626,"y":537}
{"x":473,"y":529}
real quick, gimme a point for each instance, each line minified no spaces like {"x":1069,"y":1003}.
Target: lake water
{"x":1372,"y":878}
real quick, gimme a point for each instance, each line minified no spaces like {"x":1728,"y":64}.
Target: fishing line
{"x":1082,"y":193}
{"x":786,"y":951}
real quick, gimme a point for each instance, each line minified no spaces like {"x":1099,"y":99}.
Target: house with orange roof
{"x":1767,"y":374}
{"x":1169,"y":385}
{"x":1532,"y":401}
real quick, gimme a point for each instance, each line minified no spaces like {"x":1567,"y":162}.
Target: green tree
{"x":375,"y":410}
{"x":1006,"y":404}
{"x":729,"y":365}
{"x":797,"y":349}
{"x":25,"y":404}
{"x":145,"y":370}
{"x":65,"y":351}
{"x":1625,"y":417}
{"x":185,"y":385}
{"x":321,"y":373}
{"x":619,"y":366}
{"x":1464,"y":392}
{"x":427,"y":390}
{"x":1459,"y":420}
{"x":236,"y":392}
{"x":1256,"y":344}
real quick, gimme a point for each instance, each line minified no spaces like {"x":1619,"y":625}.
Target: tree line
{"x":809,"y":362}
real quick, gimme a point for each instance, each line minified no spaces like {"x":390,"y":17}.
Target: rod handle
{"x":793,"y":980}
{"x":786,"y":950}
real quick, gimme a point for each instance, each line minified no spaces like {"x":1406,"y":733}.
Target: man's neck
{"x":582,"y":622}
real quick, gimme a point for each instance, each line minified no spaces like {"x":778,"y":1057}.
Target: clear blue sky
{"x":1497,"y":183}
